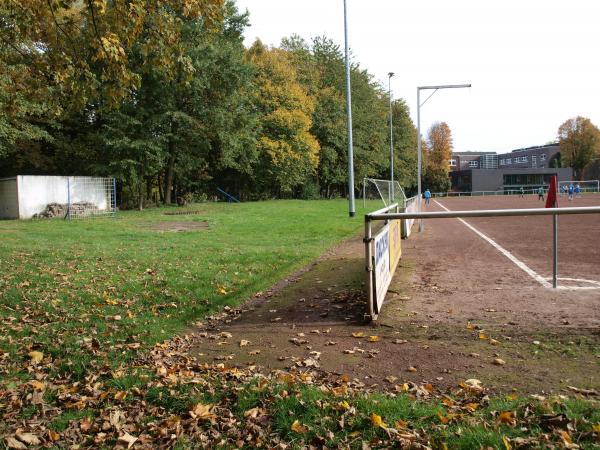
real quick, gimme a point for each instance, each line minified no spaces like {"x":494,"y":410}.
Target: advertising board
{"x":382,"y":276}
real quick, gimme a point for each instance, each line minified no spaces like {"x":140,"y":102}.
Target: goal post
{"x":384,"y":190}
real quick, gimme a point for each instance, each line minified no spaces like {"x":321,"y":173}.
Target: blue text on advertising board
{"x":382,"y":247}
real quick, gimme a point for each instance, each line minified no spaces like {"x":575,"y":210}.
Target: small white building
{"x":29,"y":196}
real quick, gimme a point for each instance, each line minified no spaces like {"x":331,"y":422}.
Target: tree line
{"x":165,"y":97}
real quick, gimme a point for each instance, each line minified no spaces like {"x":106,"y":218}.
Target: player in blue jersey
{"x":571,"y":190}
{"x":427,"y":195}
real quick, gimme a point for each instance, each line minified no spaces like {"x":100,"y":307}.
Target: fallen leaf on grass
{"x":28,"y":438}
{"x":358,"y":334}
{"x":38,"y":385}
{"x":567,"y":441}
{"x":244,"y":343}
{"x":36,"y":356}
{"x":373,"y":339}
{"x":297,"y":427}
{"x":472,"y":384}
{"x":202,"y":412}
{"x":499,"y":362}
{"x":412,"y":369}
{"x":507,"y":417}
{"x":377,"y":421}
{"x":53,"y":435}
{"x":85,"y":424}
{"x":11,"y":442}
{"x":482,"y":336}
{"x":128,"y":439}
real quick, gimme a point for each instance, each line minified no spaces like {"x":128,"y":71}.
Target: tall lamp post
{"x":419,"y":155}
{"x":351,"y":206}
{"x":390,"y":75}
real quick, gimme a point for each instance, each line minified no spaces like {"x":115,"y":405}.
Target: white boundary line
{"x":524,"y":267}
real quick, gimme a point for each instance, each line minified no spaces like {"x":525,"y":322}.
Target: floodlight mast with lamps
{"x":390,"y":75}
{"x":351,"y":206}
{"x":419,"y":155}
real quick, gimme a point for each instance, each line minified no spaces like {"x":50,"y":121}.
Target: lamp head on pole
{"x":390,"y":74}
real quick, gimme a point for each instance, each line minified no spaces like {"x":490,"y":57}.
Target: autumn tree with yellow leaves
{"x":579,"y":141}
{"x":438,"y":156}
{"x":289,"y":153}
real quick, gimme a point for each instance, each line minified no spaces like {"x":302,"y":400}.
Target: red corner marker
{"x":551,"y":200}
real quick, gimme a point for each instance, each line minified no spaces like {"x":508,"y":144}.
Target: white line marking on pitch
{"x":521,"y":265}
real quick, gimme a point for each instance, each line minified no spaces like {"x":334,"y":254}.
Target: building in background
{"x":528,"y":168}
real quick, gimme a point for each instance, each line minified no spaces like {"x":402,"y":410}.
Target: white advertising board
{"x":383,"y":277}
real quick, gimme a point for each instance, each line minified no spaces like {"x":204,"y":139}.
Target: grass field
{"x":124,"y":284}
{"x":91,"y":310}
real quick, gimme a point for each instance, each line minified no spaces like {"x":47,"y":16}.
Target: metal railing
{"x":384,"y":214}
{"x":508,"y":190}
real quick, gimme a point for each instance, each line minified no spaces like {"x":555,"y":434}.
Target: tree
{"x":579,"y":142}
{"x":440,"y":143}
{"x":405,"y":145}
{"x":289,"y":153}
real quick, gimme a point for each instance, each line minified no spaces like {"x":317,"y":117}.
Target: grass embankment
{"x":89,"y":311}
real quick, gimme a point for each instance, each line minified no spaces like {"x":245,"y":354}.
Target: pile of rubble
{"x":61,"y":210}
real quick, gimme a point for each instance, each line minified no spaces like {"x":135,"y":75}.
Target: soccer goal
{"x":384,"y":190}
{"x":585,"y":186}
{"x":67,"y":197}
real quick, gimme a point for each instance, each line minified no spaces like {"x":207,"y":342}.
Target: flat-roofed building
{"x":529,"y":168}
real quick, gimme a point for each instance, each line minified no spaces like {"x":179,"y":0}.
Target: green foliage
{"x":172,"y":105}
{"x":579,"y":141}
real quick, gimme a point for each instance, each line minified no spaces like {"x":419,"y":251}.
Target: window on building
{"x":543,"y":157}
{"x":534,"y":161}
{"x":473,"y":163}
{"x":508,"y":161}
{"x":452,"y":163}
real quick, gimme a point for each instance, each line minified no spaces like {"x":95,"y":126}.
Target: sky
{"x":532,"y":64}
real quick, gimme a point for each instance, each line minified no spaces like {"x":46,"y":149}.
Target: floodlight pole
{"x":351,"y":206}
{"x":419,"y":155}
{"x":390,"y":75}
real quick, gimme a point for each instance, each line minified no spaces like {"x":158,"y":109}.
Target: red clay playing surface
{"x":530,"y":238}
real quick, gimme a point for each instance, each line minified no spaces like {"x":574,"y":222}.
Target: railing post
{"x":555,"y":250}
{"x":369,"y":267}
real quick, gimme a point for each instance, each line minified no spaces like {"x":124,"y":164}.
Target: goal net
{"x":584,"y":186}
{"x":384,"y":190}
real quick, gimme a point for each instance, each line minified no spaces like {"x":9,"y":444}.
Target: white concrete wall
{"x":9,"y":200}
{"x":35,"y":192}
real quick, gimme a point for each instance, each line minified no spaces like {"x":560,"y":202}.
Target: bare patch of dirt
{"x":180,"y":226}
{"x":183,"y":213}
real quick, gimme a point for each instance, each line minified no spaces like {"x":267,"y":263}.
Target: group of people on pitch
{"x":572,"y":191}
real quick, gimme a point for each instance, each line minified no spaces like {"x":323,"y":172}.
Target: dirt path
{"x":449,"y":316}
